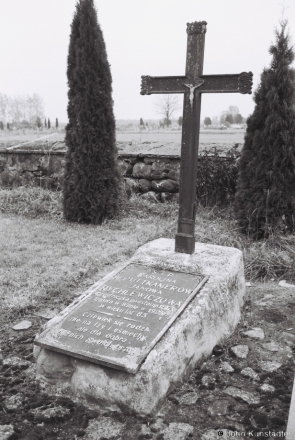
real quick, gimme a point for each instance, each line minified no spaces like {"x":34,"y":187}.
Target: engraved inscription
{"x":127,"y":315}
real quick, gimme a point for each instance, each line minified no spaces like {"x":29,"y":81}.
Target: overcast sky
{"x":143,"y":37}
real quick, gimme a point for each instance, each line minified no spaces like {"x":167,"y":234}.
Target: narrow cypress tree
{"x":49,"y":123}
{"x":56,"y":123}
{"x":92,"y":180}
{"x":45,"y":123}
{"x":265,"y":197}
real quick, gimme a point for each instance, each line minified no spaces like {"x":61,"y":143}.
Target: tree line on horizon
{"x":23,"y":112}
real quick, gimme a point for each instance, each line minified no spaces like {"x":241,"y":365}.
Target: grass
{"x":45,"y":261}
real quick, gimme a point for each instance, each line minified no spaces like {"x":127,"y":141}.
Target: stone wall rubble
{"x":154,"y":178}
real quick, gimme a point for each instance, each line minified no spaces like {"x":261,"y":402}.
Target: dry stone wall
{"x":153,"y":177}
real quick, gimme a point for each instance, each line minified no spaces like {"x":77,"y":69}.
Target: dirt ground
{"x":226,"y":393}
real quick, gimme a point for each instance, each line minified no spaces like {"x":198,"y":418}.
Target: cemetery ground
{"x":45,"y":263}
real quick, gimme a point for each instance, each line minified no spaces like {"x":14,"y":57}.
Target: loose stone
{"x":178,"y":431}
{"x":104,"y":427}
{"x":6,"y":431}
{"x":271,"y":346}
{"x":248,"y":397}
{"x":41,"y":414}
{"x":255,"y":333}
{"x":13,"y":402}
{"x":208,"y":380}
{"x":226,"y":367}
{"x":189,"y":398}
{"x":267,"y":388}
{"x":269,"y":366}
{"x":15,"y":361}
{"x":218,"y":408}
{"x":23,"y":325}
{"x":240,"y":351}
{"x":248,"y":372}
{"x":289,"y":339}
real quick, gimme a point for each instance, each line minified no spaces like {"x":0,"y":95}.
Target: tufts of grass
{"x":31,"y":202}
{"x":44,"y":260}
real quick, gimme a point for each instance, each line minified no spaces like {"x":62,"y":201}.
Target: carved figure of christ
{"x":192,"y":85}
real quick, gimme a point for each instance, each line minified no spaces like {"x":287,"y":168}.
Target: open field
{"x":151,"y":142}
{"x":206,"y":136}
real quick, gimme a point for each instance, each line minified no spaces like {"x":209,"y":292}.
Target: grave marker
{"x":192,"y":85}
{"x":122,"y":320}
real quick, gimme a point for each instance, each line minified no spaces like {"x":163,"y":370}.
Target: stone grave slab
{"x":210,"y":315}
{"x":120,"y":322}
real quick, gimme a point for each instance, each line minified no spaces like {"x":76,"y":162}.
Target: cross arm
{"x":236,"y":83}
{"x":162,"y":84}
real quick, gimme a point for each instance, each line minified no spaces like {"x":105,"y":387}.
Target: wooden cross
{"x":192,"y":85}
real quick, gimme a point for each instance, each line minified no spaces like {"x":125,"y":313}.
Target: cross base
{"x":184,"y":243}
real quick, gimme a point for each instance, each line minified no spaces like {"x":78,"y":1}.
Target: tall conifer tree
{"x":92,"y":180}
{"x":265,"y":197}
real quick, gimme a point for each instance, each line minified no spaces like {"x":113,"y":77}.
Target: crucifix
{"x":192,"y":85}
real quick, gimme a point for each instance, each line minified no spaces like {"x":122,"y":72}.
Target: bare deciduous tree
{"x":166,"y":105}
{"x":21,"y":108}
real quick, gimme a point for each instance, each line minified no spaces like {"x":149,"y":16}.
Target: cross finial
{"x":198,"y":27}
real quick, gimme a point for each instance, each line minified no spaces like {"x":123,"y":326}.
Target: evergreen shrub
{"x":92,"y":180}
{"x":265,"y":198}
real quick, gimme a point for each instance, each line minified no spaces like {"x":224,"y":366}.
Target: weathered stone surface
{"x":240,"y":351}
{"x":219,"y":408}
{"x":55,"y":368}
{"x":226,"y":367}
{"x":178,"y":431}
{"x":267,"y":388}
{"x":211,"y":316}
{"x":46,"y":414}
{"x":6,"y":431}
{"x":208,"y":380}
{"x":269,"y":366}
{"x":142,"y":171}
{"x":255,"y":333}
{"x":248,"y":397}
{"x":13,"y":402}
{"x":144,"y":185}
{"x":150,"y":196}
{"x":104,"y":428}
{"x":271,"y":346}
{"x":23,"y":325}
{"x":289,"y":338}
{"x":166,"y":185}
{"x":131,"y":186}
{"x":149,"y":160}
{"x":188,"y":398}
{"x":15,"y":361}
{"x":249,"y":372}
{"x":174,"y":171}
{"x":159,"y":170}
{"x":125,"y":168}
